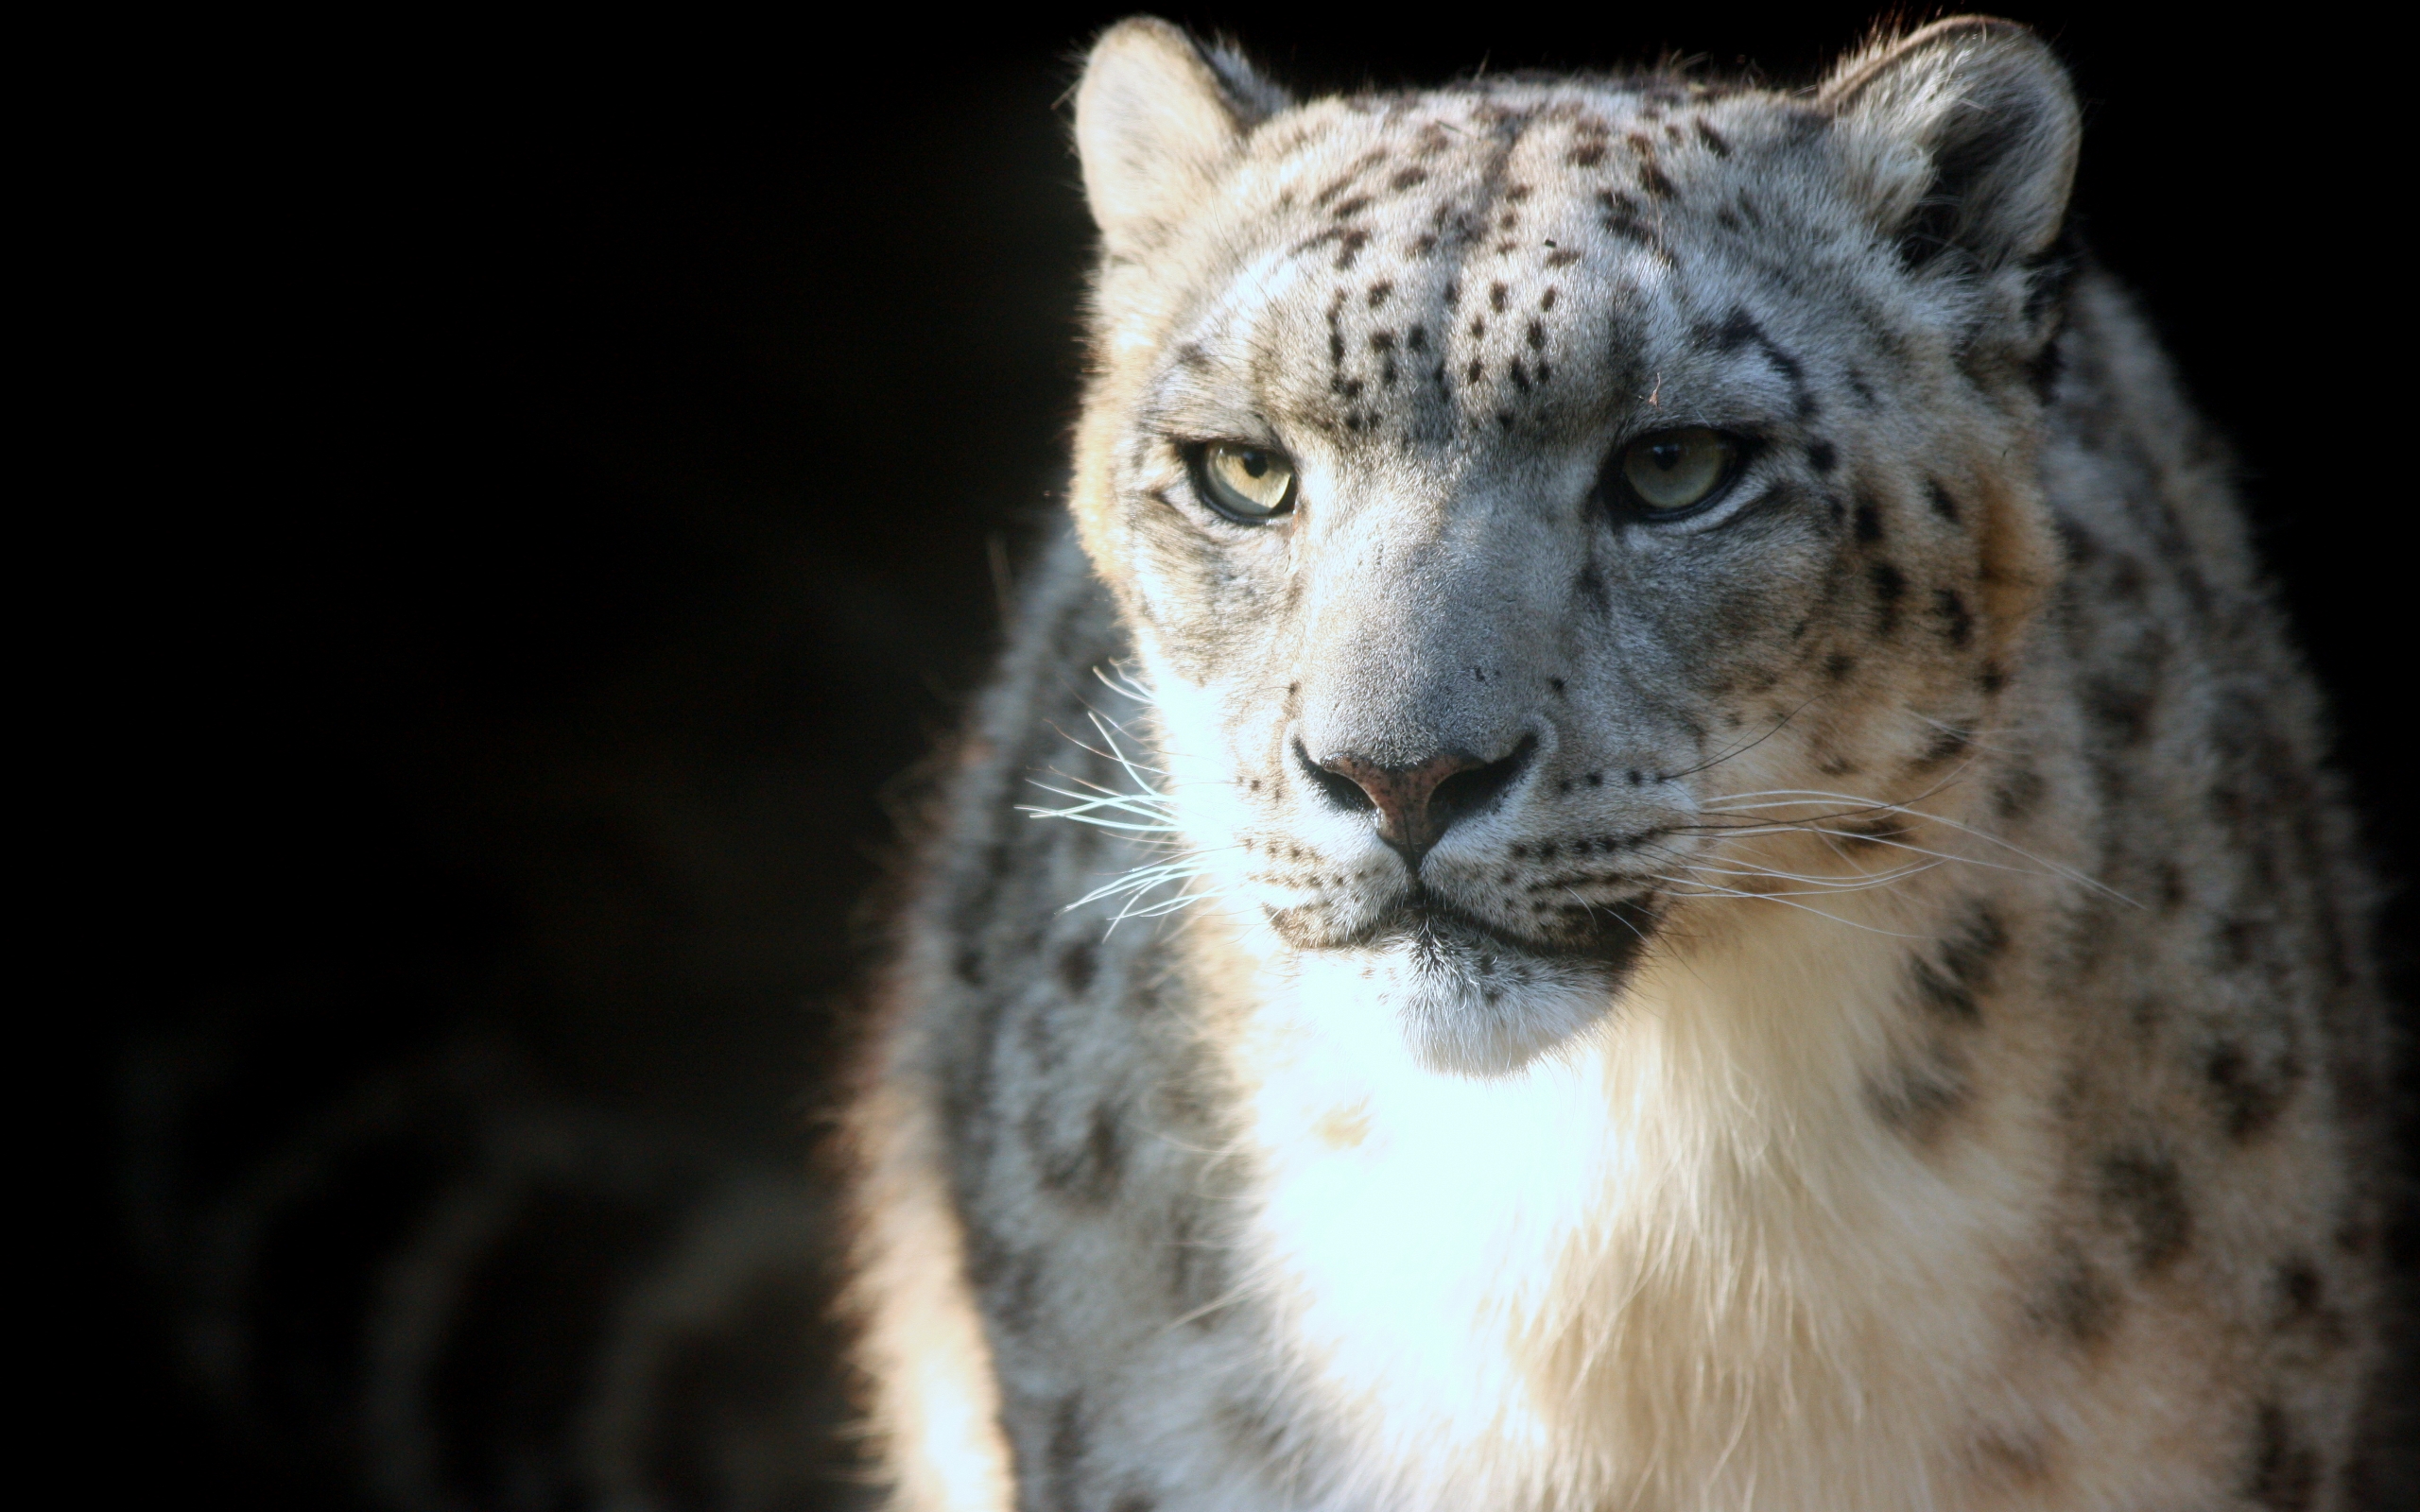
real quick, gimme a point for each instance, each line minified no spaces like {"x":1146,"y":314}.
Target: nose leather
{"x":1406,"y":819}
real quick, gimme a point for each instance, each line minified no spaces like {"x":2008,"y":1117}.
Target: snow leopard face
{"x":1520,"y":493}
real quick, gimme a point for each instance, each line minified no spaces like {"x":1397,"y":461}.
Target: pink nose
{"x":1408,"y":818}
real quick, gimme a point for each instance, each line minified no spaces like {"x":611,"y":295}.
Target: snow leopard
{"x":1652,"y":844}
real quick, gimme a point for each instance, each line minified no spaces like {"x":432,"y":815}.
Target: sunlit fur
{"x":1901,"y":1036}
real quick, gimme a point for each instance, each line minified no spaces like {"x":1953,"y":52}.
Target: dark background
{"x":573,"y":476}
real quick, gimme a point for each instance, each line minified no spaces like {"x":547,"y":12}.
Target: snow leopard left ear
{"x":1157,"y":116}
{"x":1960,"y":135}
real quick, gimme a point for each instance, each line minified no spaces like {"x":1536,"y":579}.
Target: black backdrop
{"x":576,"y":474}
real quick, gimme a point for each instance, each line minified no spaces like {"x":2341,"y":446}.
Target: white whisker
{"x":1857,"y":884}
{"x":1787,"y":797}
{"x":1775,"y":898}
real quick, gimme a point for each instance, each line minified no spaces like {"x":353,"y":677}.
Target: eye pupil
{"x":1255,"y":464}
{"x":1667,"y":454}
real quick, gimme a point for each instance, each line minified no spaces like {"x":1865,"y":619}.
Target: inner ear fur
{"x":1157,"y":116}
{"x":1963,"y":135}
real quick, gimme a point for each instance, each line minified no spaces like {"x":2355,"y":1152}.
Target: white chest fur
{"x":1683,"y":1266}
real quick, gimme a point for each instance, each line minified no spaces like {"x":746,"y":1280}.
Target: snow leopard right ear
{"x":1157,"y":116}
{"x":1964,"y":136}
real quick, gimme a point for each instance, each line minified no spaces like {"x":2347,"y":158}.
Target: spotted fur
{"x":1890,"y":1020}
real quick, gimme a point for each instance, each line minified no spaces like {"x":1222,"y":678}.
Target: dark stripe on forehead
{"x":1740,"y":330}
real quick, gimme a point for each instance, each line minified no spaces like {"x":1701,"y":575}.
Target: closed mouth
{"x":1609,"y":934}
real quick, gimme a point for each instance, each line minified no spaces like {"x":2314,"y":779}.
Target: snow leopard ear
{"x":1157,"y":116}
{"x":1960,"y":135}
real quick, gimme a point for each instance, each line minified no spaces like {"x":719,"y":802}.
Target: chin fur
{"x":1472,"y":1006}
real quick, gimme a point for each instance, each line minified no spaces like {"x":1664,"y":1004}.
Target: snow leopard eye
{"x":1672,"y":471}
{"x":1251,"y":484}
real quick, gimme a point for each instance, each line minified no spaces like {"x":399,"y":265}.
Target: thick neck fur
{"x":1686,"y":1245}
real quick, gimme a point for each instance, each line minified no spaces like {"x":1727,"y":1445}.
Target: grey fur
{"x":2186,"y":1003}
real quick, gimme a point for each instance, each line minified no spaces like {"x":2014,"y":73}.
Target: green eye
{"x":1675,"y":470}
{"x":1248,"y":482}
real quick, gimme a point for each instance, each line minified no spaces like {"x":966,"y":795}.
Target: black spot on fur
{"x":1009,"y":1281}
{"x":1947,"y":986}
{"x":1621,"y":215}
{"x":2080,"y":547}
{"x":1869,"y":831}
{"x":2021,"y":790}
{"x":1918,"y":1096}
{"x":2284,"y":1474}
{"x":2127,"y":580}
{"x":1821,"y":455}
{"x":1090,"y":1172}
{"x":2299,"y":1290}
{"x":1943,"y":504}
{"x":1888,"y":585}
{"x":1839,"y":665}
{"x":1077,"y":964}
{"x":2141,"y":1189}
{"x":1946,"y":745}
{"x":2171,"y":886}
{"x":1589,"y":584}
{"x":1711,"y":138}
{"x":2243,"y":942}
{"x":1063,"y":1456}
{"x":1869,"y":520}
{"x":2075,"y":1302}
{"x":2249,"y":1096}
{"x":2121,"y":706}
{"x":1957,"y":623}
